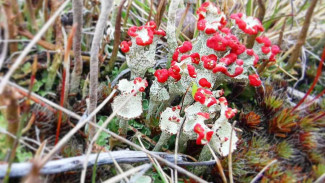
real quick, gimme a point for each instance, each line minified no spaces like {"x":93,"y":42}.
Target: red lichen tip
{"x":132,"y":31}
{"x":204,"y":83}
{"x":162,"y":75}
{"x":204,"y":135}
{"x":160,"y":32}
{"x":275,"y":49}
{"x":249,"y":25}
{"x":144,"y":36}
{"x":195,"y":58}
{"x":205,"y":115}
{"x":125,"y":46}
{"x":217,"y":42}
{"x":140,"y":84}
{"x":230,"y":113}
{"x":210,"y":61}
{"x":254,"y":80}
{"x":187,"y":46}
{"x":223,"y":101}
{"x":151,"y":24}
{"x":191,"y":71}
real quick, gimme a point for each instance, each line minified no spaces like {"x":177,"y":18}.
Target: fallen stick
{"x":75,"y":163}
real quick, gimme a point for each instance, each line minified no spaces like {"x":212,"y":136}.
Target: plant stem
{"x":117,"y":36}
{"x":302,"y":36}
{"x":77,"y":69}
{"x":94,"y":70}
{"x":123,"y":127}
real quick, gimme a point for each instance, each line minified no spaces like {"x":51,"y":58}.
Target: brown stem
{"x":94,"y":70}
{"x":282,"y":32}
{"x":77,"y":69}
{"x":52,"y":70}
{"x":302,"y":36}
{"x":11,"y":113}
{"x":117,"y":36}
{"x":160,"y":12}
{"x":150,"y":13}
{"x":9,"y":6}
{"x":260,"y":16}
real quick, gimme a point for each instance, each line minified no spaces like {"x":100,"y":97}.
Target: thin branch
{"x":38,"y":36}
{"x":75,"y":163}
{"x":94,"y":70}
{"x":77,"y":69}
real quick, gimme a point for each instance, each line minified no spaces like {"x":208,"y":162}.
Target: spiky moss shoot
{"x":250,"y":120}
{"x":283,"y":123}
{"x":284,"y":150}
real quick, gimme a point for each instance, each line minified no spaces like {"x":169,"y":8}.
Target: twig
{"x":75,"y":163}
{"x":302,"y":36}
{"x":77,"y":69}
{"x":263,"y":170}
{"x":128,"y":173}
{"x":224,"y":179}
{"x":38,"y":36}
{"x":83,"y":122}
{"x":160,"y":12}
{"x":231,"y":178}
{"x":177,"y":141}
{"x":6,"y":37}
{"x":94,"y":70}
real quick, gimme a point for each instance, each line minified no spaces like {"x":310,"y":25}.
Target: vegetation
{"x":162,"y":91}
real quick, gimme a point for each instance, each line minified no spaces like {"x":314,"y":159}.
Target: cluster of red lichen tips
{"x":143,"y":35}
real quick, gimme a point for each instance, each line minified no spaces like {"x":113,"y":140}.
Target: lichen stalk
{"x":164,"y":137}
{"x":123,"y":127}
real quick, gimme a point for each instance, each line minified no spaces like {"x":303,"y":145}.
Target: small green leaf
{"x":27,"y":68}
{"x":194,"y":89}
{"x":37,"y":85}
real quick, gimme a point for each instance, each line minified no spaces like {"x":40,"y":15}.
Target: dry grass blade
{"x":223,"y":176}
{"x":263,"y":170}
{"x":155,"y":163}
{"x":117,"y":166}
{"x":231,"y":178}
{"x":128,"y":173}
{"x":30,"y":45}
